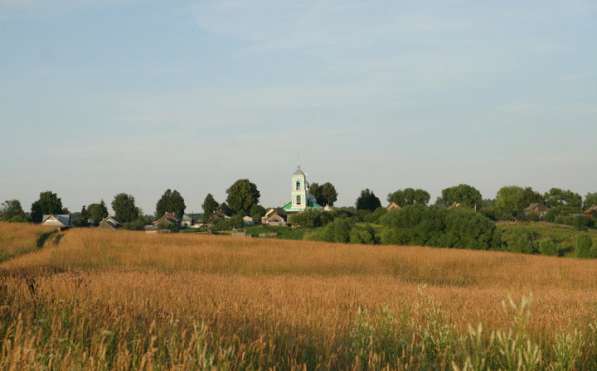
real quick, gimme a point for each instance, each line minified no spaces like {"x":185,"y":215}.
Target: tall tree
{"x":590,"y":200}
{"x":97,"y":212}
{"x":242,"y":196}
{"x":511,"y":201}
{"x":325,"y":194}
{"x":557,"y":197}
{"x":171,"y":202}
{"x":48,"y":203}
{"x":462,"y":194}
{"x":124,"y":208}
{"x":409,"y":196}
{"x":368,"y":201}
{"x":12,"y":210}
{"x":210,"y":205}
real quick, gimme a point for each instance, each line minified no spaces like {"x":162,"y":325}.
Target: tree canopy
{"x":48,"y":203}
{"x":590,"y":200}
{"x":11,"y":210}
{"x":242,"y":196}
{"x":462,"y":194}
{"x":171,"y":202}
{"x":511,"y":201}
{"x":368,"y":201}
{"x":409,"y":196}
{"x":124,"y":208}
{"x":325,"y":194}
{"x":97,"y":212}
{"x":210,"y":205}
{"x":557,"y":197}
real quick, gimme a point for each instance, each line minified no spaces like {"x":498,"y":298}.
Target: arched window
{"x":298,"y":185}
{"x":298,"y":200}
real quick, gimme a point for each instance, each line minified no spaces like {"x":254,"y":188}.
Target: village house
{"x":60,"y":221}
{"x":168,"y":220}
{"x":109,"y":223}
{"x":393,"y":206}
{"x":537,"y":209}
{"x":591,"y":211}
{"x":274,"y":217}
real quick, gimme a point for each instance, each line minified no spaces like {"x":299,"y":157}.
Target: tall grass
{"x":20,"y":238}
{"x":124,"y":300}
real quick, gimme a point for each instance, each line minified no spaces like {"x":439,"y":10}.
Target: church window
{"x":298,"y":200}
{"x":298,"y":185}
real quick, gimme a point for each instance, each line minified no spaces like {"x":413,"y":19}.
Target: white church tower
{"x":300,"y":190}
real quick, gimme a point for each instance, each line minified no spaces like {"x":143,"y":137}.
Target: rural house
{"x":274,"y":217}
{"x":109,"y":223}
{"x":168,"y":220}
{"x":393,"y":206}
{"x":536,"y":209}
{"x":60,"y":221}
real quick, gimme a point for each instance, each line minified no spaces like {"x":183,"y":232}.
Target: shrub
{"x":311,"y":218}
{"x":342,"y":229}
{"x":584,"y":246}
{"x":522,"y":241}
{"x":375,"y":216}
{"x":549,"y":247}
{"x":363,"y":235}
{"x":465,"y":228}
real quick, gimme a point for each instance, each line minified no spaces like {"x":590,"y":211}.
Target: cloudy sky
{"x":99,"y":97}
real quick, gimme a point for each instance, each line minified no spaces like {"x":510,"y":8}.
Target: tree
{"x":563,"y":198}
{"x":48,"y":203}
{"x":368,"y":201}
{"x":97,"y":212}
{"x":325,"y":194}
{"x":511,"y":201}
{"x":171,"y":202}
{"x":12,"y":210}
{"x":257,"y":212}
{"x":124,"y":208}
{"x":242,"y":196}
{"x":590,"y":200}
{"x":210,"y":205}
{"x":462,"y":194}
{"x":409,"y":196}
{"x":83,"y":220}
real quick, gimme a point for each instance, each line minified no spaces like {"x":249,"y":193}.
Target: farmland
{"x":127,"y":300}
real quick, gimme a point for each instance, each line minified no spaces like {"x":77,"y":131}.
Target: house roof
{"x":63,"y":219}
{"x":537,"y":207}
{"x":592,"y":209}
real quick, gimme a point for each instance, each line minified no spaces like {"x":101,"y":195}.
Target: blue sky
{"x":101,"y":97}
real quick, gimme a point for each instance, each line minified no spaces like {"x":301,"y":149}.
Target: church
{"x":300,"y":198}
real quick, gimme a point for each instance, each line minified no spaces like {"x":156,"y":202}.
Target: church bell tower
{"x":300,"y":189}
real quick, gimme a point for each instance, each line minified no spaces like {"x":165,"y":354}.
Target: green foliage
{"x":521,"y":240}
{"x":374,"y":217}
{"x":584,"y":247}
{"x":325,"y":194}
{"x":125,"y":210}
{"x":368,"y":201}
{"x":311,"y":218}
{"x":242,"y":196}
{"x":409,"y":196}
{"x":171,"y":202}
{"x":97,"y":212}
{"x":11,"y":210}
{"x":364,"y":234}
{"x":433,"y":226}
{"x":549,"y":247}
{"x":48,"y":203}
{"x":462,"y":194}
{"x":210,"y":205}
{"x":590,"y":200}
{"x":563,"y":198}
{"x":511,"y":201}
{"x":138,"y":223}
{"x":257,"y":212}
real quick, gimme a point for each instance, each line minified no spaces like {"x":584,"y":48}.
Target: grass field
{"x":92,"y":299}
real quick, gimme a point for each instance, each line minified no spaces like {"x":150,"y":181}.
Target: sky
{"x":99,"y":97}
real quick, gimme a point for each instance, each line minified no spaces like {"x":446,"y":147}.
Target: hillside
{"x":129,"y":300}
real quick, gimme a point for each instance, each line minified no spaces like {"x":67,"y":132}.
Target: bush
{"x":522,"y":241}
{"x":584,"y":247}
{"x":363,"y":235}
{"x":375,"y":216}
{"x":311,"y":218}
{"x":433,"y":226}
{"x":549,"y":247}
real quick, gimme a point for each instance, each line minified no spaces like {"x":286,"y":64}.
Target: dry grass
{"x":97,"y":299}
{"x":19,"y":238}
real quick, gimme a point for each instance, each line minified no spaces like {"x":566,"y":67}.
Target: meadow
{"x":92,"y":299}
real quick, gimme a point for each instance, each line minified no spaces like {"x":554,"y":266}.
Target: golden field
{"x":92,"y":299}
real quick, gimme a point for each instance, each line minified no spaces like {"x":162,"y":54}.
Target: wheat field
{"x":92,"y":299}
